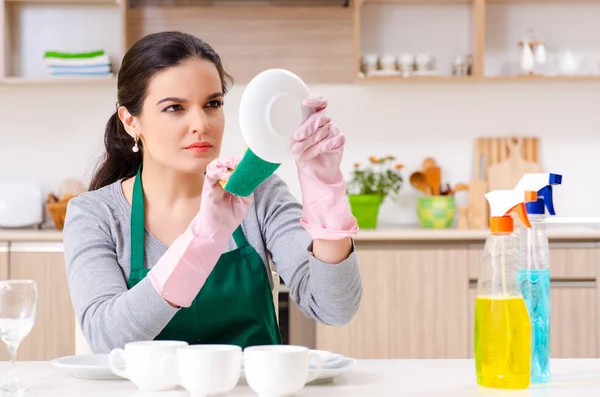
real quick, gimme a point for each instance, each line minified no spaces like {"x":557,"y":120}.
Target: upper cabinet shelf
{"x":478,"y":40}
{"x":329,"y":41}
{"x":416,"y":40}
{"x":41,"y":36}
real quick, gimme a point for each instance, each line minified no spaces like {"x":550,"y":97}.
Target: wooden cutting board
{"x":505,"y":173}
{"x":494,"y":150}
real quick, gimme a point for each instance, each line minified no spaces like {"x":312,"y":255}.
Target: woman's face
{"x":182,"y":122}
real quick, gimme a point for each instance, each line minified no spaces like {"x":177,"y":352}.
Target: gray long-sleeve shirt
{"x":97,"y":255}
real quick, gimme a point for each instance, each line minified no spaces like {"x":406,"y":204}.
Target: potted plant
{"x":370,"y":185}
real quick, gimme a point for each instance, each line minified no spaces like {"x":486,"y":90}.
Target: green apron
{"x":235,"y":305}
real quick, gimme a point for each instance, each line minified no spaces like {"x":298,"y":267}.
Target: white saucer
{"x":334,"y":365}
{"x":270,"y":112}
{"x":86,"y":366}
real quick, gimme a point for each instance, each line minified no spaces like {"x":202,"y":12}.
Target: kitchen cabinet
{"x":418,"y":301}
{"x":414,"y":304}
{"x":53,"y":334}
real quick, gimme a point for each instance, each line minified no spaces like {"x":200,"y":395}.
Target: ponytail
{"x":119,"y":161}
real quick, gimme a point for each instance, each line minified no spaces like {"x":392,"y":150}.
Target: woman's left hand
{"x":318,"y":148}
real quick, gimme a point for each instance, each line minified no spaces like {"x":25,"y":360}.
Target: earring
{"x":135,"y":147}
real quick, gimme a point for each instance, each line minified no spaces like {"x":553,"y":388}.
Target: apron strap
{"x":239,"y":237}
{"x":137,"y":225}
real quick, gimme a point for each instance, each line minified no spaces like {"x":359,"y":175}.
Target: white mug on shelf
{"x":204,"y":370}
{"x":280,"y":370}
{"x":143,"y":363}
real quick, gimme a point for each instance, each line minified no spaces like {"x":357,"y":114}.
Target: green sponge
{"x":249,"y":173}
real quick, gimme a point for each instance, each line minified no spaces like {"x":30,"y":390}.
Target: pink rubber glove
{"x":318,"y":148}
{"x":181,"y":272}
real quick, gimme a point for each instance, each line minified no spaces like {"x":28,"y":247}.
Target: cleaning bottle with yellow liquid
{"x":502,"y":325}
{"x":534,"y":271}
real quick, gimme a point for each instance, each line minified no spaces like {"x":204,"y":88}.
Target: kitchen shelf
{"x":61,"y":80}
{"x":412,"y":79}
{"x":569,"y":31}
{"x":32,"y":27}
{"x":442,"y":29}
{"x":322,"y":44}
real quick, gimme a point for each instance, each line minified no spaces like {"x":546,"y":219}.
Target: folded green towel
{"x":72,"y":55}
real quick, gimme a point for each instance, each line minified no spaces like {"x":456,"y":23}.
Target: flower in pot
{"x":370,"y":185}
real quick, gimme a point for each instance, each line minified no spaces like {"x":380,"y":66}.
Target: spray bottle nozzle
{"x":542,"y":184}
{"x":503,"y":202}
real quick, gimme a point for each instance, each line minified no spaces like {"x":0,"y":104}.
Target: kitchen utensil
{"x":495,"y":150}
{"x":477,"y":206}
{"x":446,"y":191}
{"x":506,"y":174}
{"x":270,"y":111}
{"x":417,"y":180}
{"x":428,"y":163}
{"x":21,"y":205}
{"x":460,"y":187}
{"x":463,"y":221}
{"x":432,"y":174}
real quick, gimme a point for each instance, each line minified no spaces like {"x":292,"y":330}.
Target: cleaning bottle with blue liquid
{"x":502,"y":324}
{"x":534,"y":269}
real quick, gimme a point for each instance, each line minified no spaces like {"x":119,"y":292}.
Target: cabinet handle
{"x":573,"y":284}
{"x":557,"y":284}
{"x":575,"y":244}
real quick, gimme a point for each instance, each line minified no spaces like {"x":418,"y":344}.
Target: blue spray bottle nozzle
{"x":542,"y":183}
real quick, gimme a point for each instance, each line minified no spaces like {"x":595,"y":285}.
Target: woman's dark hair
{"x":147,"y":57}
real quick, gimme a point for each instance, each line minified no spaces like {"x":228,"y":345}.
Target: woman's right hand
{"x":220,"y":211}
{"x":181,"y":272}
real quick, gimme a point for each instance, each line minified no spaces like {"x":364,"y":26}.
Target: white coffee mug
{"x":205,"y":370}
{"x":143,"y":363}
{"x":280,"y":370}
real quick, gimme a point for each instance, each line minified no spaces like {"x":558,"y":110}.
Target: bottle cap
{"x":502,"y":203}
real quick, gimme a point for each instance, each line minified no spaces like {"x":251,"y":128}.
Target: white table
{"x":377,"y":378}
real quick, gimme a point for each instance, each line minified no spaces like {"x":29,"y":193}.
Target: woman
{"x":158,"y":250}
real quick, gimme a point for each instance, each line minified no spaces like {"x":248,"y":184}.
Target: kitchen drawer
{"x":568,"y":260}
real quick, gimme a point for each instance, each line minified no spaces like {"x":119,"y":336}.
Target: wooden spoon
{"x":417,"y":179}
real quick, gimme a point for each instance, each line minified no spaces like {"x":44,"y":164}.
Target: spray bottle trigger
{"x":546,"y":192}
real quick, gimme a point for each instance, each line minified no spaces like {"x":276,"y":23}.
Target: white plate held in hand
{"x":86,"y":366}
{"x":271,"y":111}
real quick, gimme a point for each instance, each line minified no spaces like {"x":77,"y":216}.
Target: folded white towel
{"x":99,"y":60}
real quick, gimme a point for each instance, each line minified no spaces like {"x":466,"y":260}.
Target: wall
{"x":52,"y":132}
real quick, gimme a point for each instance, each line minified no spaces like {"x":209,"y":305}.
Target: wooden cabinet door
{"x":53,"y":334}
{"x":414,"y":305}
{"x":3,"y":276}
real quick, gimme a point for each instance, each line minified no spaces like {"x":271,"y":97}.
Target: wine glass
{"x":18,"y":312}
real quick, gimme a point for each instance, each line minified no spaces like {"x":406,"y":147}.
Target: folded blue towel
{"x":82,"y":69}
{"x":80,"y":74}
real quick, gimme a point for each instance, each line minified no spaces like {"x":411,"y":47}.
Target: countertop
{"x":376,"y":378}
{"x":400,"y":233}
